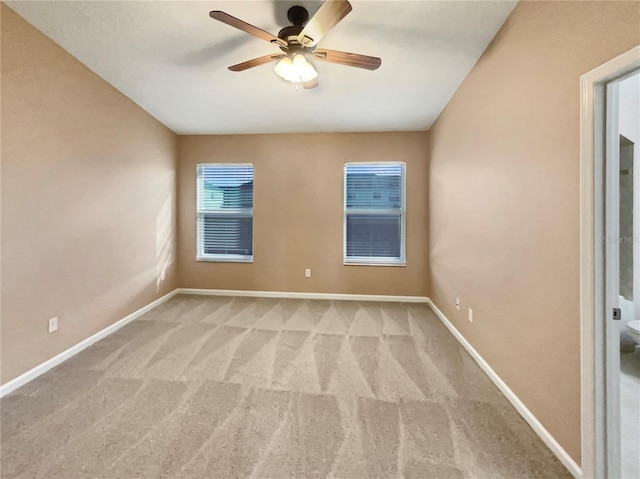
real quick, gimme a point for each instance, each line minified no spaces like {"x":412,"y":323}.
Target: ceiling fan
{"x":299,"y":39}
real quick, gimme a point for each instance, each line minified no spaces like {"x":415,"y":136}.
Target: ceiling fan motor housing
{"x":292,"y":31}
{"x":298,"y":16}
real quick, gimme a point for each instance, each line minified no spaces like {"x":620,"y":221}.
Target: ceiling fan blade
{"x":349,"y":59}
{"x":255,"y":62}
{"x":327,"y":17}
{"x":246,"y":27}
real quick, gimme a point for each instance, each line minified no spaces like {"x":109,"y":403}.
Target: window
{"x":225,"y":212}
{"x":374,"y":210}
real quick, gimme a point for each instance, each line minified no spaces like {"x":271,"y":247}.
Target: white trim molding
{"x":302,"y":295}
{"x":592,"y":272}
{"x":42,"y":368}
{"x":527,"y":415}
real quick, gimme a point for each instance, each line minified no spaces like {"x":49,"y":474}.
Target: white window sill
{"x":225,"y":259}
{"x":368,"y":262}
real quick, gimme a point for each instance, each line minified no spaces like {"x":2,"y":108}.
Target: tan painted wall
{"x":298,"y":212}
{"x":88,"y":195}
{"x":504,"y":200}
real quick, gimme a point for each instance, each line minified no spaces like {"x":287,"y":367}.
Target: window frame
{"x":236,"y":212}
{"x":368,"y":260}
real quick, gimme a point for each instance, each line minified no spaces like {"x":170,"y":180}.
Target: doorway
{"x":622,"y":204}
{"x":610,"y":268}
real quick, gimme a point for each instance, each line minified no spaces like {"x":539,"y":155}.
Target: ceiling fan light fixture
{"x":296,"y":70}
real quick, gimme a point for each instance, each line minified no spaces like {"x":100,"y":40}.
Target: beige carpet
{"x":206,"y":387}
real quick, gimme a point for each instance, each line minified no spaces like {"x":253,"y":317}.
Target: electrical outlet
{"x":470,"y":315}
{"x":458,"y":304}
{"x":53,"y":324}
{"x":307,"y":273}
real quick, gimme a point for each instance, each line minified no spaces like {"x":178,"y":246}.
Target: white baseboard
{"x":296,"y":295}
{"x":528,"y":416}
{"x":72,"y":351}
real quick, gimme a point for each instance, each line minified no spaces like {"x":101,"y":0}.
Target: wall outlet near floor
{"x":470,"y":315}
{"x":307,"y":273}
{"x":53,"y":324}
{"x":458,"y":304}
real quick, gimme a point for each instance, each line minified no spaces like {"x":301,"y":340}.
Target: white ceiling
{"x":171,"y":59}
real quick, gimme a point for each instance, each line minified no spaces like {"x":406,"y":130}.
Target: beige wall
{"x":298,"y":212}
{"x":88,"y":194}
{"x":504,"y":200}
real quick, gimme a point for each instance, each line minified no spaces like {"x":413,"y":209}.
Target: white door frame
{"x":611,"y":245}
{"x":592,"y":259}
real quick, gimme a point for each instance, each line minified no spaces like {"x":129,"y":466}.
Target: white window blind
{"x":374,"y":213}
{"x":225,"y":212}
